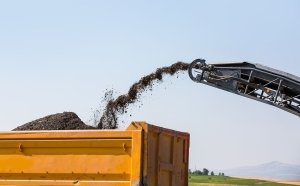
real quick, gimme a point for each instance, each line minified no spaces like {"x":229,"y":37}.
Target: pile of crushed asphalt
{"x":113,"y":109}
{"x":59,"y":121}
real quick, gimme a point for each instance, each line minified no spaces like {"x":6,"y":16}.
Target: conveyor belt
{"x":254,"y":81}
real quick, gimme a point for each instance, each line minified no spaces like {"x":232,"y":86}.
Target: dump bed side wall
{"x":166,"y":156}
{"x":109,"y":158}
{"x":142,"y":155}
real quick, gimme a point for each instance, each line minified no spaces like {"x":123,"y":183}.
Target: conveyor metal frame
{"x":254,"y":81}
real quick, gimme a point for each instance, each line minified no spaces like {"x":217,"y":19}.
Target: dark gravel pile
{"x":59,"y":121}
{"x":115,"y":107}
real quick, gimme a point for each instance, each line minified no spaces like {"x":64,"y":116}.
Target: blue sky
{"x":60,"y":56}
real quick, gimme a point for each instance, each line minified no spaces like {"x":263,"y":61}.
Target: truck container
{"x":143,"y":154}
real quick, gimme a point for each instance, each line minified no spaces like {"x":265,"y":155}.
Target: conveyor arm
{"x":254,"y":81}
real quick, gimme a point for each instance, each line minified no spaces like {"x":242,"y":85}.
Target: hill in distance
{"x":272,"y":170}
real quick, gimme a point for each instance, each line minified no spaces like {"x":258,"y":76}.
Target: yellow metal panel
{"x":63,"y":183}
{"x":66,"y":134}
{"x":84,"y":157}
{"x":165,"y":157}
{"x":143,"y":154}
{"x":136,"y":163}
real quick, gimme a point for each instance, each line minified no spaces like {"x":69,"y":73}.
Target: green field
{"x":225,"y":180}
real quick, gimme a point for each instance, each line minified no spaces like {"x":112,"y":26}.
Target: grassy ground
{"x":224,"y":180}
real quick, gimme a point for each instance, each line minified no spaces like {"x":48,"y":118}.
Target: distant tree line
{"x":204,"y":172}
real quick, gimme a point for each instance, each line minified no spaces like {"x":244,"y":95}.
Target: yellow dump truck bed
{"x":141,"y":155}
